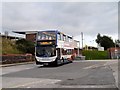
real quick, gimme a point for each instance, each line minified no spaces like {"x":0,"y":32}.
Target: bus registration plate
{"x":45,"y":63}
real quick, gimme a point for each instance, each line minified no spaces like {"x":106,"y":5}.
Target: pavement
{"x":15,"y":64}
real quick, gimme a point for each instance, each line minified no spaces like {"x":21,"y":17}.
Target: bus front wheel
{"x":56,"y":63}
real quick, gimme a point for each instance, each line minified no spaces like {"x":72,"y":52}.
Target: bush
{"x":92,"y":55}
{"x":25,"y":46}
{"x":9,"y":47}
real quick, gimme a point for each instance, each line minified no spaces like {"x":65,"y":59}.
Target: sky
{"x":71,"y":18}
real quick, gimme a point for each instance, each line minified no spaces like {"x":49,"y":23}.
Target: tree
{"x":25,"y":46}
{"x":105,"y":41}
{"x":98,"y":40}
{"x":117,"y":43}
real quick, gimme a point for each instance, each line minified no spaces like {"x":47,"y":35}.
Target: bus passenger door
{"x":58,"y":53}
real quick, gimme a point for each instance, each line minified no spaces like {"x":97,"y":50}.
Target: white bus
{"x":54,"y":48}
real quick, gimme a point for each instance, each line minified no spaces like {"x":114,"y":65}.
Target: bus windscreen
{"x":45,"y":35}
{"x":48,"y":51}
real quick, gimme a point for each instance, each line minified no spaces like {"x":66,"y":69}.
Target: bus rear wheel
{"x":63,"y":61}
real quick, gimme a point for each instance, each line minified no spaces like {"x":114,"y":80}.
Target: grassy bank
{"x":9,"y":47}
{"x":92,"y":55}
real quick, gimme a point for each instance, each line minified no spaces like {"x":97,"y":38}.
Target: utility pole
{"x":78,"y":44}
{"x":82,"y":39}
{"x":6,"y":34}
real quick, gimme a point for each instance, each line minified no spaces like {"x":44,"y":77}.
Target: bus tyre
{"x":63,"y":60}
{"x":71,"y":61}
{"x":37,"y":63}
{"x":56,"y":62}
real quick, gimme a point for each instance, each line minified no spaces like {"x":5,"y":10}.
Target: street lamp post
{"x":82,"y":39}
{"x":78,"y":44}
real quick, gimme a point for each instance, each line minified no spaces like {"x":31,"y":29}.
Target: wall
{"x":16,"y":58}
{"x":31,"y":37}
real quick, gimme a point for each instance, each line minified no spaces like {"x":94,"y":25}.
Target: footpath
{"x":15,"y":64}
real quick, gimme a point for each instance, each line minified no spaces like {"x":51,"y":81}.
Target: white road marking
{"x":40,"y":82}
{"x":109,"y":60}
{"x":90,"y":86}
{"x":106,"y":64}
{"x":25,"y":84}
{"x":6,"y":70}
{"x":93,"y":66}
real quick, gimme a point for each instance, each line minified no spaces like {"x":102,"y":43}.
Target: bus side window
{"x":67,"y":38}
{"x":69,"y":51}
{"x":64,"y":38}
{"x":59,"y":37}
{"x":63,"y":51}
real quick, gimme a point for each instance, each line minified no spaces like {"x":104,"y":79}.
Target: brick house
{"x":114,"y":53}
{"x":29,"y":35}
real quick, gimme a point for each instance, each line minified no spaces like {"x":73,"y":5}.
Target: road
{"x":79,"y":74}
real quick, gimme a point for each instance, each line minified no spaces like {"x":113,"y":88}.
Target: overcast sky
{"x":71,"y":18}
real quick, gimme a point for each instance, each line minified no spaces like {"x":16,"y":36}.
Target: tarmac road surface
{"x":91,"y":75}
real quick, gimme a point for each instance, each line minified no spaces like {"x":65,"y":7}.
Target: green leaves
{"x":105,"y":41}
{"x":95,"y":55}
{"x":25,"y":46}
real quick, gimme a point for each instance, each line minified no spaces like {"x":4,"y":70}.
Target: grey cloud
{"x":70,"y":17}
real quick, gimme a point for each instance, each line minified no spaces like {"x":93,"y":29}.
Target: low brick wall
{"x":16,"y":58}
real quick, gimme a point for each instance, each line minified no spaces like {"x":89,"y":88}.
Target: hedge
{"x":92,"y":55}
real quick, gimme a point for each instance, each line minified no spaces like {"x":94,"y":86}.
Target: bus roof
{"x":57,"y":31}
{"x":47,"y":30}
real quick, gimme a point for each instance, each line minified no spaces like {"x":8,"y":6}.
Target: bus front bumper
{"x":45,"y":60}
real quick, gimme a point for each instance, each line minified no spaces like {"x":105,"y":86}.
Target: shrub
{"x":9,"y":47}
{"x":25,"y":46}
{"x":92,"y":55}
